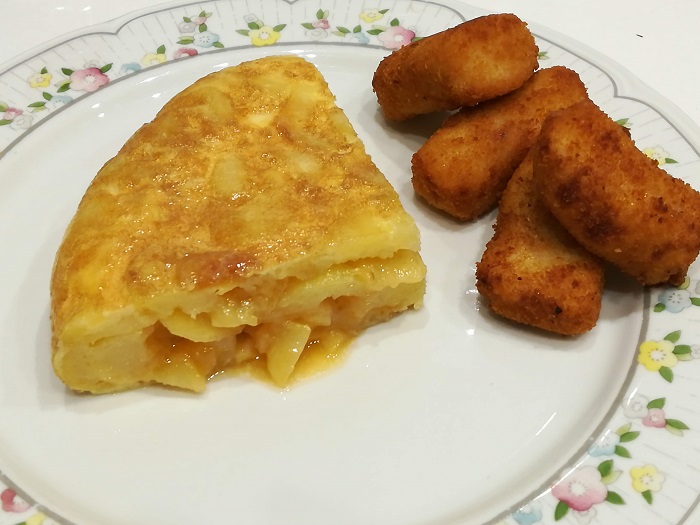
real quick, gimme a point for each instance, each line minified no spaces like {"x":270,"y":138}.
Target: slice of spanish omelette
{"x":245,"y":222}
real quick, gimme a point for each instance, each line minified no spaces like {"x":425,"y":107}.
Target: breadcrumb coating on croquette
{"x":464,"y":166}
{"x":475,"y":61}
{"x":617,"y":202}
{"x":532,"y":271}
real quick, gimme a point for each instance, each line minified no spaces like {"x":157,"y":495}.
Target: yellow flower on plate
{"x":646,"y":478}
{"x":264,"y":36}
{"x":371,"y":15}
{"x":36,"y":519}
{"x":656,"y":354}
{"x":152,"y":59}
{"x":40,"y":80}
{"x":657,"y":153}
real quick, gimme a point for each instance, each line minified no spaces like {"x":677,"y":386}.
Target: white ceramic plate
{"x":444,"y":416}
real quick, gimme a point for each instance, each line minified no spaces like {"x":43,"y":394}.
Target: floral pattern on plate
{"x":59,"y":84}
{"x":623,"y":470}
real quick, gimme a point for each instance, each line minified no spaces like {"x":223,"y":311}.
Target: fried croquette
{"x":617,"y":202}
{"x":465,"y":165}
{"x":532,"y":271}
{"x":475,"y":61}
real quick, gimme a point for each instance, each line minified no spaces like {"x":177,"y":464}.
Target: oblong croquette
{"x":617,"y":202}
{"x":532,"y":271}
{"x":465,"y":165}
{"x":477,"y":60}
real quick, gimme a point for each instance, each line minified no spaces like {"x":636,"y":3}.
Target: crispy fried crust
{"x":533,"y":271}
{"x":477,"y":60}
{"x":613,"y":199}
{"x":464,"y":166}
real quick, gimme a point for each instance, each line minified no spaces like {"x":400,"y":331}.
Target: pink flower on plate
{"x":396,"y":37}
{"x":11,"y":113}
{"x":90,"y":79}
{"x":581,"y":489}
{"x":321,"y":23}
{"x":655,"y":418}
{"x":11,"y":502}
{"x":185,"y":52}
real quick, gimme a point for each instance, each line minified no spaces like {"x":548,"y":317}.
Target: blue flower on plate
{"x":605,"y":446}
{"x":528,"y":514}
{"x":356,"y":38}
{"x":675,"y":300}
{"x":130,"y":67}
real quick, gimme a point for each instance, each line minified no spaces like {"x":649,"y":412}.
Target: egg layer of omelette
{"x":245,"y":222}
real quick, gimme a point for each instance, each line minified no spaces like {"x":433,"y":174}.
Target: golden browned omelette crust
{"x":245,"y":222}
{"x":477,"y":60}
{"x":464,"y":166}
{"x":532,"y":270}
{"x":613,"y":199}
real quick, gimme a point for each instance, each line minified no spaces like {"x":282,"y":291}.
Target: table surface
{"x":657,"y":41}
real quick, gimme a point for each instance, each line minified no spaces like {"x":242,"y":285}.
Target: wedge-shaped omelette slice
{"x":246,"y":222}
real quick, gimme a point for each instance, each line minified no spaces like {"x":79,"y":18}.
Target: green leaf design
{"x":343,"y":30}
{"x":622,"y":122}
{"x":394,"y":22}
{"x":3,"y":106}
{"x":254,"y":25}
{"x":681,"y":349}
{"x":243,"y":32}
{"x":675,"y":431}
{"x":670,"y":161}
{"x":614,"y":498}
{"x":666,"y":373}
{"x":202,"y":28}
{"x":279,"y":27}
{"x":64,"y":87}
{"x":695,"y":301}
{"x":375,"y":31}
{"x":623,"y":429}
{"x":657,"y":403}
{"x":357,"y":29}
{"x":647,"y":495}
{"x":675,"y":423}
{"x":622,"y":452}
{"x":37,"y":105}
{"x":605,"y":468}
{"x":161,"y":50}
{"x":629,"y":436}
{"x":188,"y":40}
{"x":320,"y":14}
{"x":208,"y":14}
{"x":560,"y":510}
{"x":307,"y":25}
{"x":203,"y":14}
{"x":542,"y":55}
{"x":43,"y":71}
{"x":659,"y":307}
{"x":612,"y":477}
{"x":5,"y":122}
{"x":685,"y":357}
{"x":105,"y":68}
{"x":47,"y":96}
{"x":218,"y":44}
{"x":66,"y":71}
{"x":187,"y":19}
{"x":383,"y":11}
{"x":673,"y":336}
